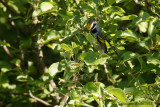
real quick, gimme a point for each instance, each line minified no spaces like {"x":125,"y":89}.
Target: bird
{"x":94,"y":29}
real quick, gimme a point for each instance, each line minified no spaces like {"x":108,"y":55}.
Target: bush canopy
{"x":49,"y":58}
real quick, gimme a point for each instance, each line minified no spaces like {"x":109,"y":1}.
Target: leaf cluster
{"x":39,"y":35}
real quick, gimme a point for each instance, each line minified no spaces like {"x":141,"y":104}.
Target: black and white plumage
{"x":93,"y":28}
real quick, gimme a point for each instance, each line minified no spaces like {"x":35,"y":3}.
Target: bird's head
{"x":91,"y":26}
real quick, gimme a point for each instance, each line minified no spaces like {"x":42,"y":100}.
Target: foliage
{"x":48,"y":58}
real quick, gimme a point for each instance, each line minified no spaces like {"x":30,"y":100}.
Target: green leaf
{"x":143,"y":26}
{"x":142,"y":18}
{"x":44,"y":6}
{"x":93,"y":58}
{"x":24,"y":78}
{"x":110,"y":2}
{"x":158,"y":39}
{"x":133,"y":91}
{"x":128,"y":35}
{"x":144,"y":15}
{"x":152,"y":60}
{"x":90,"y":38}
{"x":128,"y":55}
{"x":157,"y":79}
{"x":114,"y":10}
{"x":151,"y":28}
{"x":75,"y":47}
{"x":36,"y":12}
{"x":88,"y":8}
{"x":65,"y":14}
{"x":5,"y":65}
{"x":93,"y":88}
{"x":12,"y":86}
{"x":55,"y":68}
{"x":4,"y":43}
{"x":118,"y":93}
{"x":140,"y":60}
{"x":49,"y":36}
{"x":66,"y":47}
{"x":129,"y":17}
{"x":68,"y":74}
{"x":142,"y":103}
{"x":120,"y":1}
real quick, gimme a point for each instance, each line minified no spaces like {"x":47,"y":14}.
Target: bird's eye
{"x":94,"y":31}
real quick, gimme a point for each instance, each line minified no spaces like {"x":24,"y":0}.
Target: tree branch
{"x":13,"y":25}
{"x":38,"y":99}
{"x":38,"y":55}
{"x":65,"y":99}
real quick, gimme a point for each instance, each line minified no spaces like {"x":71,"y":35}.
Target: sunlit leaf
{"x":54,"y":69}
{"x":120,"y":1}
{"x":153,"y":60}
{"x":66,"y":47}
{"x":127,"y":56}
{"x":143,"y":26}
{"x":36,"y":12}
{"x":44,"y":6}
{"x":129,"y":17}
{"x":4,"y":43}
{"x":65,"y":14}
{"x":12,"y":86}
{"x":24,"y":78}
{"x":128,"y":35}
{"x":157,"y":79}
{"x":151,"y":28}
{"x":93,"y":88}
{"x":158,"y":38}
{"x":117,"y":92}
{"x":114,"y":10}
{"x":75,"y":48}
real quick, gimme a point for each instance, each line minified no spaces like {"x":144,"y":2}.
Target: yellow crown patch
{"x":89,"y":25}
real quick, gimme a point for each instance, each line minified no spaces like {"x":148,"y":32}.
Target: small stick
{"x":7,"y":51}
{"x":39,"y":100}
{"x":105,"y":68}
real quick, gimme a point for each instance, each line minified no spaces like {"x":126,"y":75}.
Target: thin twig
{"x":65,"y":99}
{"x":106,"y":71}
{"x":105,"y":68}
{"x":5,"y":48}
{"x":38,"y":99}
{"x":13,"y":25}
